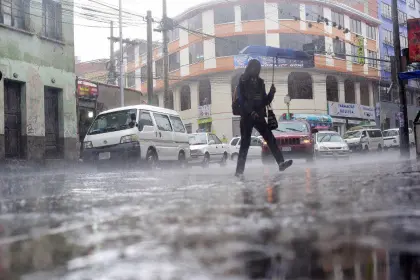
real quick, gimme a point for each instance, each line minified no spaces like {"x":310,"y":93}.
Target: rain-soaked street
{"x":353,"y":219}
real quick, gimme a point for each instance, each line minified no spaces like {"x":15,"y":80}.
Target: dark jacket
{"x":247,"y":97}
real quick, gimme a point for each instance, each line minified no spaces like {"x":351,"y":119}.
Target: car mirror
{"x":211,"y":142}
{"x":148,"y":128}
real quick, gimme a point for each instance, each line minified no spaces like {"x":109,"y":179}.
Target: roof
{"x":143,"y":107}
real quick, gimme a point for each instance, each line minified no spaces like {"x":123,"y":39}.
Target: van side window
{"x":364,"y":133}
{"x":145,"y":119}
{"x":177,"y":124}
{"x":162,"y":122}
{"x":234,"y":142}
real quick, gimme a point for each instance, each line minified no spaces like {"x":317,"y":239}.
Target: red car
{"x":294,"y":138}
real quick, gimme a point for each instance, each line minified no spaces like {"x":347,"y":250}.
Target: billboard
{"x":87,"y":89}
{"x":349,"y":110}
{"x":413,"y":26}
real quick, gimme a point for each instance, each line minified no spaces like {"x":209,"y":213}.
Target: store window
{"x":289,"y":11}
{"x":224,"y":14}
{"x":349,"y":93}
{"x":332,"y":89}
{"x":196,"y":52}
{"x":300,"y":85}
{"x":252,"y":11}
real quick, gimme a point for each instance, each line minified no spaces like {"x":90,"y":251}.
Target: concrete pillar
{"x":371,"y":97}
{"x":68,"y":113}
{"x":357,"y":92}
{"x":2,"y":117}
{"x":177,"y":99}
{"x":341,"y":91}
{"x":320,"y":92}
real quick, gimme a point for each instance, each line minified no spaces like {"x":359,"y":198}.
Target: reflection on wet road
{"x":357,"y":219}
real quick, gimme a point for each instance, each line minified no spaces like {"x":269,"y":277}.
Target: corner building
{"x":204,"y":72}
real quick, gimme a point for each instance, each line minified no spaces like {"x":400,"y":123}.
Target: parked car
{"x":137,"y":132}
{"x":254,"y":149}
{"x":392,"y":138}
{"x":295,"y":140}
{"x":330,"y":144}
{"x":364,"y":140}
{"x":207,"y":148}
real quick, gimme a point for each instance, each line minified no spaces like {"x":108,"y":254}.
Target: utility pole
{"x":121,"y":56}
{"x":149,"y":59}
{"x":165,"y":50}
{"x":404,"y":142}
{"x":111,"y":75}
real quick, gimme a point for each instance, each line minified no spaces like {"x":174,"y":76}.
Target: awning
{"x":409,"y":75}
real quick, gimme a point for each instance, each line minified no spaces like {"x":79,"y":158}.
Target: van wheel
{"x":151,"y":159}
{"x":224,"y":160}
{"x":182,"y":160}
{"x":206,"y":161}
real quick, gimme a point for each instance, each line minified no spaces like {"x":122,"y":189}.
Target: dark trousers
{"x":247,"y":124}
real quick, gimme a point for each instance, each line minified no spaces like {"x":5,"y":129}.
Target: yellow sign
{"x":361,"y":50}
{"x":206,"y":120}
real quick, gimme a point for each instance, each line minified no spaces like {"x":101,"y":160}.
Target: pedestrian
{"x":224,"y":139}
{"x":253,"y":101}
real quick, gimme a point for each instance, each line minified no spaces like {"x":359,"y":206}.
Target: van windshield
{"x":352,"y":134}
{"x":388,"y":133}
{"x":114,"y":121}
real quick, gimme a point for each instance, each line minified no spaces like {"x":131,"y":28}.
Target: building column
{"x":357,"y":92}
{"x":371,"y":97}
{"x":69,"y":114}
{"x":2,"y":151}
{"x":341,"y":91}
{"x":320,"y":92}
{"x":177,"y":99}
{"x":161,"y":101}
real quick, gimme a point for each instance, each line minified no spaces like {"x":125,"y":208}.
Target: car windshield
{"x":352,"y":134}
{"x":387,"y":133}
{"x":328,"y":137}
{"x":198,"y":139}
{"x":114,"y":121}
{"x":291,"y":127}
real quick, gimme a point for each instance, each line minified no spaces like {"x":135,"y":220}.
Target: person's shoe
{"x":286,"y":164}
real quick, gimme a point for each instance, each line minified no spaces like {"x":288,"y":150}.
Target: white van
{"x":364,"y":140}
{"x":392,"y":137}
{"x":137,"y":132}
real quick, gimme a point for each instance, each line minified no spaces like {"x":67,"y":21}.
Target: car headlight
{"x":305,"y":140}
{"x":322,"y":148}
{"x":129,"y":139}
{"x":346,"y":147}
{"x":87,"y":145}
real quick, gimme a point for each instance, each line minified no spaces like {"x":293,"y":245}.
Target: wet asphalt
{"x":332,"y":219}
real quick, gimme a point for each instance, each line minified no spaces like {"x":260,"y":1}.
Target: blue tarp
{"x":409,"y":75}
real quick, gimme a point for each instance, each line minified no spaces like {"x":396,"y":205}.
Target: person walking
{"x":253,"y":101}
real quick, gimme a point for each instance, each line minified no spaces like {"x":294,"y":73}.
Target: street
{"x":328,"y":220}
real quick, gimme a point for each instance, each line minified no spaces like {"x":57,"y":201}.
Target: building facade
{"x":37,"y":91}
{"x":389,"y":99}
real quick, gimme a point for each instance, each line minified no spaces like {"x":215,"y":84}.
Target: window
{"x":159,"y":68}
{"x":188,"y":127}
{"x":412,"y":3}
{"x":255,"y":142}
{"x":13,"y":13}
{"x":339,"y":48}
{"x":300,"y":85}
{"x":143,"y":74}
{"x":387,"y":65}
{"x":386,"y":11}
{"x":145,"y":119}
{"x":215,"y":139}
{"x":51,"y":19}
{"x":185,"y":98}
{"x":114,"y":121}
{"x":162,"y":122}
{"x":174,"y":61}
{"x":204,"y":92}
{"x":364,"y":93}
{"x":349,"y":93}
{"x":252,"y":11}
{"x":173,"y":34}
{"x":177,"y":124}
{"x":298,"y":41}
{"x":356,"y":26}
{"x":332,"y":89}
{"x":131,"y":79}
{"x":168,"y":100}
{"x":234,"y":141}
{"x":130,"y":55}
{"x":355,"y":55}
{"x":371,"y":32}
{"x":402,"y":18}
{"x":338,"y":18}
{"x":372,"y":63}
{"x":196,"y":52}
{"x":388,"y":35}
{"x":195,"y":22}
{"x":313,"y":11}
{"x":404,"y":41}
{"x":289,"y":11}
{"x":228,"y":46}
{"x":224,"y":14}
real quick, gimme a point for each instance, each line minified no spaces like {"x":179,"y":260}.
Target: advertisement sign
{"x":413,"y":26}
{"x":204,"y":111}
{"x":241,"y":61}
{"x":348,"y":110}
{"x":361,"y":50}
{"x":87,"y":89}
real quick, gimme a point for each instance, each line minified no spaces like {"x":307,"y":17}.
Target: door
{"x":180,"y":135}
{"x":147,"y":138}
{"x":52,"y":145}
{"x":217,"y":147}
{"x":12,"y":119}
{"x":164,"y":140}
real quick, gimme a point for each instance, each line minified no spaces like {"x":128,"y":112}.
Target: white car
{"x":330,"y":144}
{"x":206,"y":148}
{"x":254,"y":149}
{"x":392,"y":138}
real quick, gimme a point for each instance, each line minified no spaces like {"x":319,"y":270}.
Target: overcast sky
{"x":92,"y":43}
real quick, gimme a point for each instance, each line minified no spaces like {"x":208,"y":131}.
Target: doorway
{"x":52,"y":141}
{"x":12,"y":119}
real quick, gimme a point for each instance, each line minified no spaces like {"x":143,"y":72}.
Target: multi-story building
{"x":389,"y":99}
{"x":204,"y":66}
{"x":37,"y":91}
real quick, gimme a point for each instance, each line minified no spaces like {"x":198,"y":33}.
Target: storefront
{"x":346,"y":115}
{"x":87,"y":93}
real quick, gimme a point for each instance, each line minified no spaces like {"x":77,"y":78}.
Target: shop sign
{"x":335,"y":120}
{"x":348,"y":110}
{"x":241,"y":61}
{"x":87,"y":89}
{"x":203,"y":121}
{"x":413,"y":27}
{"x":204,"y":111}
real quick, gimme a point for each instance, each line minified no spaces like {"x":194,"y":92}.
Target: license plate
{"x":103,"y":156}
{"x":286,"y":149}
